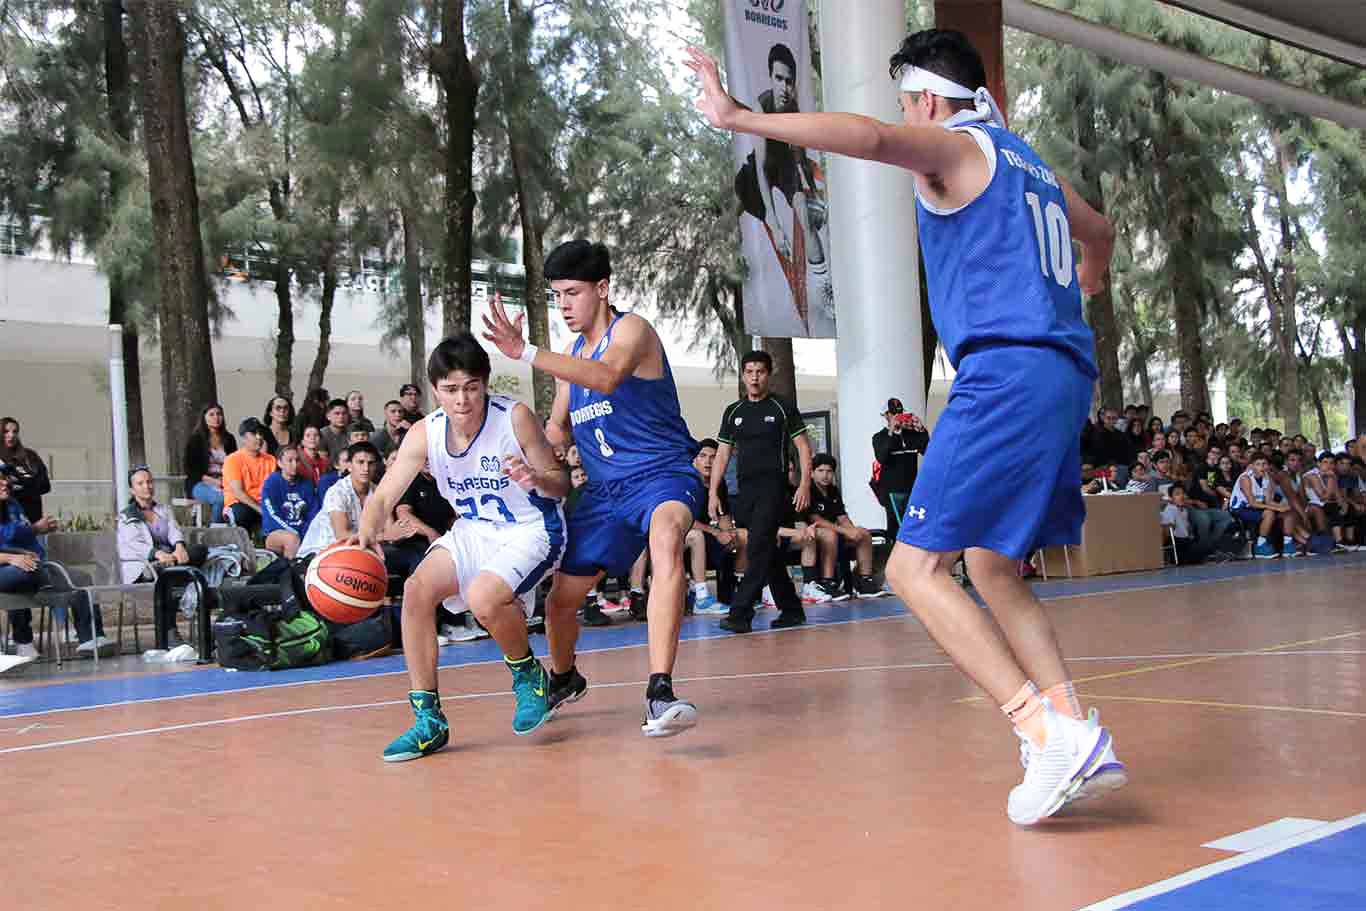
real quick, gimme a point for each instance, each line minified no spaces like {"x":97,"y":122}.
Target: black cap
{"x":894,"y":406}
{"x":403,"y":390}
{"x":252,"y":425}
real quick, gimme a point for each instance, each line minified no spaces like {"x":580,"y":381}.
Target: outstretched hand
{"x":715,"y":102}
{"x":505,"y":334}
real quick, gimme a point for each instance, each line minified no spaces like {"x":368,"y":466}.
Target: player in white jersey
{"x":490,"y":458}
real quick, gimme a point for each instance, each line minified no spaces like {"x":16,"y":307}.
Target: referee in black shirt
{"x":759,"y":427}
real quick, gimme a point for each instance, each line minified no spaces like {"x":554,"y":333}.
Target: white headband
{"x":914,"y":79}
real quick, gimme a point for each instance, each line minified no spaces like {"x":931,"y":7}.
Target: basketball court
{"x":843,"y":764}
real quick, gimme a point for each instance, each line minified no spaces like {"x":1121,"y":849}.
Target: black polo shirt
{"x":828,"y":504}
{"x":429,"y":506}
{"x":759,"y":432}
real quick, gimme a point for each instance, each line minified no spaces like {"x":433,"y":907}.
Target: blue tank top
{"x":637,"y":429}
{"x":1002,"y":270}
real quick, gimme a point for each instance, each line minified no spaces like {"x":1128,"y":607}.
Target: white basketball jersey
{"x":1262,"y":490}
{"x":473,"y":481}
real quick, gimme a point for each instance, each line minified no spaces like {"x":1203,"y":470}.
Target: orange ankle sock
{"x":1063,"y":697}
{"x":1025,"y":711}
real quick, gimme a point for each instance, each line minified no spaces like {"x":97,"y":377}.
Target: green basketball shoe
{"x":532,"y":687}
{"x":429,"y":733}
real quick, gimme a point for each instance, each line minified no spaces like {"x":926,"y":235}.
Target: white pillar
{"x":873,"y":243}
{"x":118,"y":403}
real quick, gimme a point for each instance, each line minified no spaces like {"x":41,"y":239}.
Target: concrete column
{"x":873,"y":246}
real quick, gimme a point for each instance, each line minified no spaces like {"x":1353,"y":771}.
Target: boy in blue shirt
{"x":288,"y":502}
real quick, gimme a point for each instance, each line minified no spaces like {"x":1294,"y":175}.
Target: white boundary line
{"x":810,"y":627}
{"x":1193,"y":876}
{"x":287,"y":713}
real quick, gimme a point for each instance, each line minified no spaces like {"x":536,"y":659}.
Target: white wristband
{"x":528,"y":353}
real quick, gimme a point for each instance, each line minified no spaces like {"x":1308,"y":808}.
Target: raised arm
{"x":632,"y":341}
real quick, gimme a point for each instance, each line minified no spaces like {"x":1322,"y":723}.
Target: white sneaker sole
{"x":1106,"y":779}
{"x":550,"y":716}
{"x":1089,"y":758}
{"x":675,"y":720}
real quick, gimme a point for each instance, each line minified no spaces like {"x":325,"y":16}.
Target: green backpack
{"x":250,"y":635}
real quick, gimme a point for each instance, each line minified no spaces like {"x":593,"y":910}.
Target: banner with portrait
{"x":781,"y":188}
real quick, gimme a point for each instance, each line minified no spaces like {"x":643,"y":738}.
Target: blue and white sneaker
{"x":1265,"y":551}
{"x":707,"y":604}
{"x":1289,"y":549}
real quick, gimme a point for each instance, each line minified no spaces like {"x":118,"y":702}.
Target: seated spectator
{"x":1228,"y":475}
{"x":1140,"y":480}
{"x":279,"y":421}
{"x":827,"y":512}
{"x":288,"y":502}
{"x":1162,"y":472}
{"x":355,"y":406}
{"x":1350,"y":485}
{"x":1175,"y":518}
{"x":1326,"y":502}
{"x":1156,"y":434}
{"x":336,"y":435}
{"x":244,"y":474}
{"x":148,"y":533}
{"x":720,"y":546}
{"x":339,"y":515}
{"x":573,"y":459}
{"x":1239,"y":454}
{"x":1288,"y":473}
{"x":387,"y":437}
{"x":1205,"y":509}
{"x":1257,"y":501}
{"x":22,"y":572}
{"x":313,"y":461}
{"x":313,"y":413}
{"x":410,"y":397}
{"x":340,"y":469}
{"x":1133,"y":431}
{"x":27,"y":471}
{"x":422,"y":516}
{"x":207,"y":449}
{"x":356,"y":433}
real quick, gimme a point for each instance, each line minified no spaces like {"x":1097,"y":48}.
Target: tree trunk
{"x":1288,"y":387}
{"x":1353,"y":338}
{"x":1326,"y":441}
{"x":451,"y":66}
{"x":284,"y":332}
{"x":188,"y":379}
{"x":329,"y":296}
{"x":121,"y":122}
{"x":1100,"y":309}
{"x":529,"y":201}
{"x":784,"y":380}
{"x":414,"y":313}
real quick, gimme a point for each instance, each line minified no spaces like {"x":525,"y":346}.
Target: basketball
{"x":346,"y":584}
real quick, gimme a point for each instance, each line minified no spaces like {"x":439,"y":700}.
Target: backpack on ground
{"x":264,"y":627}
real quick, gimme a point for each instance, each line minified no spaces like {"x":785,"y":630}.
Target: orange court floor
{"x":845,"y":764}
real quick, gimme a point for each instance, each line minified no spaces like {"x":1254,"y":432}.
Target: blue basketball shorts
{"x":610,"y":526}
{"x":1003,"y":468}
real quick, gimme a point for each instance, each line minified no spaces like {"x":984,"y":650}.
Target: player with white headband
{"x":996,"y":230}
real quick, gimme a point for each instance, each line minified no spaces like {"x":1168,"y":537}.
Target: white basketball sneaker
{"x":1110,"y":774}
{"x":1073,"y":750}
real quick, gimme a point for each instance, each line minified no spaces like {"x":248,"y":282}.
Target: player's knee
{"x":693,"y":538}
{"x":417,"y":596}
{"x":909,"y":567}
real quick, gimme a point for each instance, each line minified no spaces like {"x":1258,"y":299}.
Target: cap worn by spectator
{"x":894,"y":406}
{"x":403,"y":390}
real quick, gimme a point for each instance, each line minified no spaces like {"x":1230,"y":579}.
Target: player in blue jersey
{"x":996,"y":229}
{"x":616,"y":400}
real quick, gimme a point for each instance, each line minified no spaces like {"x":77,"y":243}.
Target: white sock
{"x":1261,"y":539}
{"x":700,"y":587}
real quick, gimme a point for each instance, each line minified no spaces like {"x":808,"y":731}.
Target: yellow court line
{"x":1092,"y":697}
{"x":1134,"y":672}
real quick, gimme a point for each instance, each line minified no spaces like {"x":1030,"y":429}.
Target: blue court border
{"x":1321,"y":870}
{"x":85,"y":694}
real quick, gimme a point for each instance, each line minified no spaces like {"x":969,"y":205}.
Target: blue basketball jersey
{"x":1002,"y":270}
{"x":637,"y":429}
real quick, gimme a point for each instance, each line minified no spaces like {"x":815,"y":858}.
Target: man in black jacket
{"x":898,"y":449}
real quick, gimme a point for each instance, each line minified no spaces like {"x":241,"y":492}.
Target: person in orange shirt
{"x":244,"y":473}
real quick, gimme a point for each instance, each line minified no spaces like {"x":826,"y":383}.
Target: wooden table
{"x":1121,"y":534}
